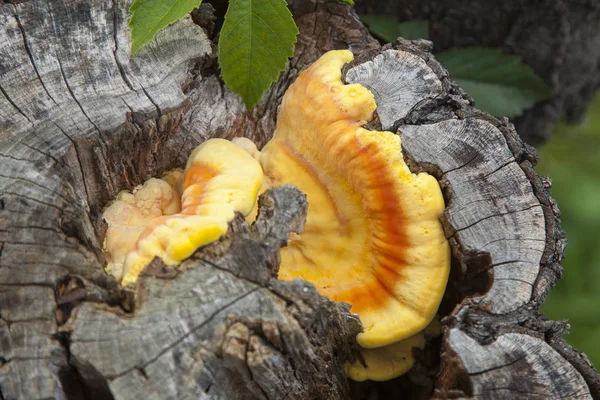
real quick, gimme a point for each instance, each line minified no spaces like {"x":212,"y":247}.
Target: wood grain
{"x":80,"y":120}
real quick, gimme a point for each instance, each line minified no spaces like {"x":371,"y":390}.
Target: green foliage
{"x":389,"y":29}
{"x":150,"y":16}
{"x":572,"y":159}
{"x":500,"y":84}
{"x":256,"y":40}
{"x":351,"y":2}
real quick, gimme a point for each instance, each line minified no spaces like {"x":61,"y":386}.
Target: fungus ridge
{"x":372,"y":236}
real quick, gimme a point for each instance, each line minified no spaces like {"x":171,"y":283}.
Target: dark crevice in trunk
{"x":79,"y":381}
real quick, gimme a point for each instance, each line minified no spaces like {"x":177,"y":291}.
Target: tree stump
{"x":80,"y":120}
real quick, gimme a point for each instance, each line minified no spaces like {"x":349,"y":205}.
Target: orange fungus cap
{"x":373,"y":238}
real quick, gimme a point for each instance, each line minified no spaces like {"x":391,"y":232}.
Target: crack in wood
{"x":15,"y":359}
{"x":15,"y":106}
{"x":79,"y":162}
{"x":64,"y":77}
{"x":232,"y":273}
{"x":31,"y":182}
{"x":158,"y":110}
{"x":116,"y":48}
{"x":514,"y":279}
{"x":516,"y":239}
{"x":485,"y":200}
{"x":29,"y":53}
{"x":38,"y":151}
{"x":487,"y":370}
{"x":458,"y":230}
{"x":34,"y":200}
{"x":504,"y":165}
{"x":191,"y":332}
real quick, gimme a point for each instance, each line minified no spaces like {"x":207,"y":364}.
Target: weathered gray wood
{"x":396,"y":97}
{"x":497,"y":370}
{"x":80,"y":121}
{"x":224,"y":321}
{"x":501,"y":227}
{"x":492,"y":209}
{"x":66,"y":84}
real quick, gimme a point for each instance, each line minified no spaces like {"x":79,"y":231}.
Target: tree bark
{"x":559,"y":39}
{"x":80,"y":120}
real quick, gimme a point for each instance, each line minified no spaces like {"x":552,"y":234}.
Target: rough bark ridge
{"x":222,"y":325}
{"x":558,"y":38}
{"x":80,"y":120}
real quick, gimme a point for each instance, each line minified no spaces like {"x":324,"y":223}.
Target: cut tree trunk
{"x":80,"y":120}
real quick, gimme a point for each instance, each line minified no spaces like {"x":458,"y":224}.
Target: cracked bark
{"x":81,"y":121}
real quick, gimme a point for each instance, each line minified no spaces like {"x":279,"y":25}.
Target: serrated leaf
{"x":501,"y":84}
{"x":257,"y":38}
{"x":150,"y":16}
{"x":389,"y":29}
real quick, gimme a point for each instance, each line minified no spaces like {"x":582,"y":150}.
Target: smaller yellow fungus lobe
{"x":384,"y":363}
{"x":220,"y":178}
{"x":130,"y":213}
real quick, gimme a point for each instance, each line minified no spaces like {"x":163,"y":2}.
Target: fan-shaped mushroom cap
{"x":220,"y":178}
{"x":372,"y":237}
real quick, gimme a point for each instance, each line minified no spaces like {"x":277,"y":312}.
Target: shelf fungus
{"x":220,"y":178}
{"x":372,"y":237}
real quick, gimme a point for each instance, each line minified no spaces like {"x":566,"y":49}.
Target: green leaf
{"x":351,"y":2}
{"x":150,"y":16}
{"x":389,"y":29}
{"x":257,"y":38}
{"x":500,"y":84}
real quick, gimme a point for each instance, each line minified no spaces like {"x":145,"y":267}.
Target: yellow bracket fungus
{"x":372,"y":237}
{"x":220,"y":178}
{"x":130,"y":214}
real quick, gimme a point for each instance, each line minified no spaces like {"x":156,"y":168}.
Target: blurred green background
{"x":572,"y":160}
